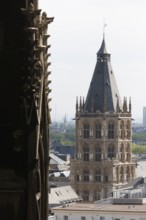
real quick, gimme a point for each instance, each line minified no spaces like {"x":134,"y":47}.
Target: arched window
{"x":86,"y":130}
{"x":128,"y":152}
{"x":122,"y":174}
{"x":122,"y":155}
{"x":86,"y":195}
{"x":117,"y":174}
{"x":121,"y":148}
{"x":86,"y":153}
{"x":97,"y":176}
{"x":128,"y":125}
{"x":98,"y":130}
{"x":86,"y":175}
{"x":97,"y":153}
{"x":122,"y":124}
{"x":111,"y":151}
{"x":111,"y":131}
{"x":122,"y":129}
{"x":128,"y":129}
{"x":128,"y":148}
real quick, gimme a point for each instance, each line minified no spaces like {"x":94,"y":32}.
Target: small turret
{"x":125,"y":105}
{"x":130,"y":106}
{"x":118,"y":107}
{"x":83,"y":103}
{"x":77,"y":106}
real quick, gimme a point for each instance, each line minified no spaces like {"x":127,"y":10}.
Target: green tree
{"x":138,"y":149}
{"x":139,"y":136}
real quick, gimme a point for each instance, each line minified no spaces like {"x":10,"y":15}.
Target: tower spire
{"x":103,"y":84}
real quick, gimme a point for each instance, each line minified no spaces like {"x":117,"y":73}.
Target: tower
{"x":24,"y":111}
{"x":103,"y":136}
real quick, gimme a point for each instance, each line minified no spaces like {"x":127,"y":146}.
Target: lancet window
{"x":122,"y":155}
{"x":128,"y":152}
{"x":86,"y":130}
{"x":86,"y":195}
{"x":111,"y":131}
{"x":98,"y":130}
{"x":97,"y":153}
{"x":122,"y":129}
{"x":128,"y":129}
{"x":111,"y":151}
{"x":86,"y":153}
{"x":97,"y":176}
{"x":86,"y":175}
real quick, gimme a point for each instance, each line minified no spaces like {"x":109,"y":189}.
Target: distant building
{"x":60,"y":178}
{"x":103,"y":136}
{"x":134,"y":189}
{"x":109,"y":209}
{"x":62,"y":151}
{"x":59,"y":171}
{"x":57,"y":164}
{"x":144,"y":117}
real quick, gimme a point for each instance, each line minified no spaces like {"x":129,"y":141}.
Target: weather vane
{"x":104,"y":26}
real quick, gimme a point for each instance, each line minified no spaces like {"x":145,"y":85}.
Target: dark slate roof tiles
{"x":103,"y":92}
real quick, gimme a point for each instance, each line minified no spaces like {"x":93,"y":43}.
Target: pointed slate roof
{"x":102,"y":49}
{"x":103,"y":92}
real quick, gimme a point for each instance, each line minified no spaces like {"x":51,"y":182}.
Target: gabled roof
{"x":103,"y":93}
{"x":56,"y":160}
{"x":59,"y":195}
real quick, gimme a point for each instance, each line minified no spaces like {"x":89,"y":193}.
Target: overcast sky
{"x":76,"y":35}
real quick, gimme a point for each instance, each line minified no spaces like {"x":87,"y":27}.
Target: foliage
{"x":56,"y":135}
{"x":140,"y":149}
{"x":70,"y":134}
{"x":66,"y":136}
{"x":139,"y":136}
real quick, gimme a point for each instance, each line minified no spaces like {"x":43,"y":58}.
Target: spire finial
{"x":104,"y":26}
